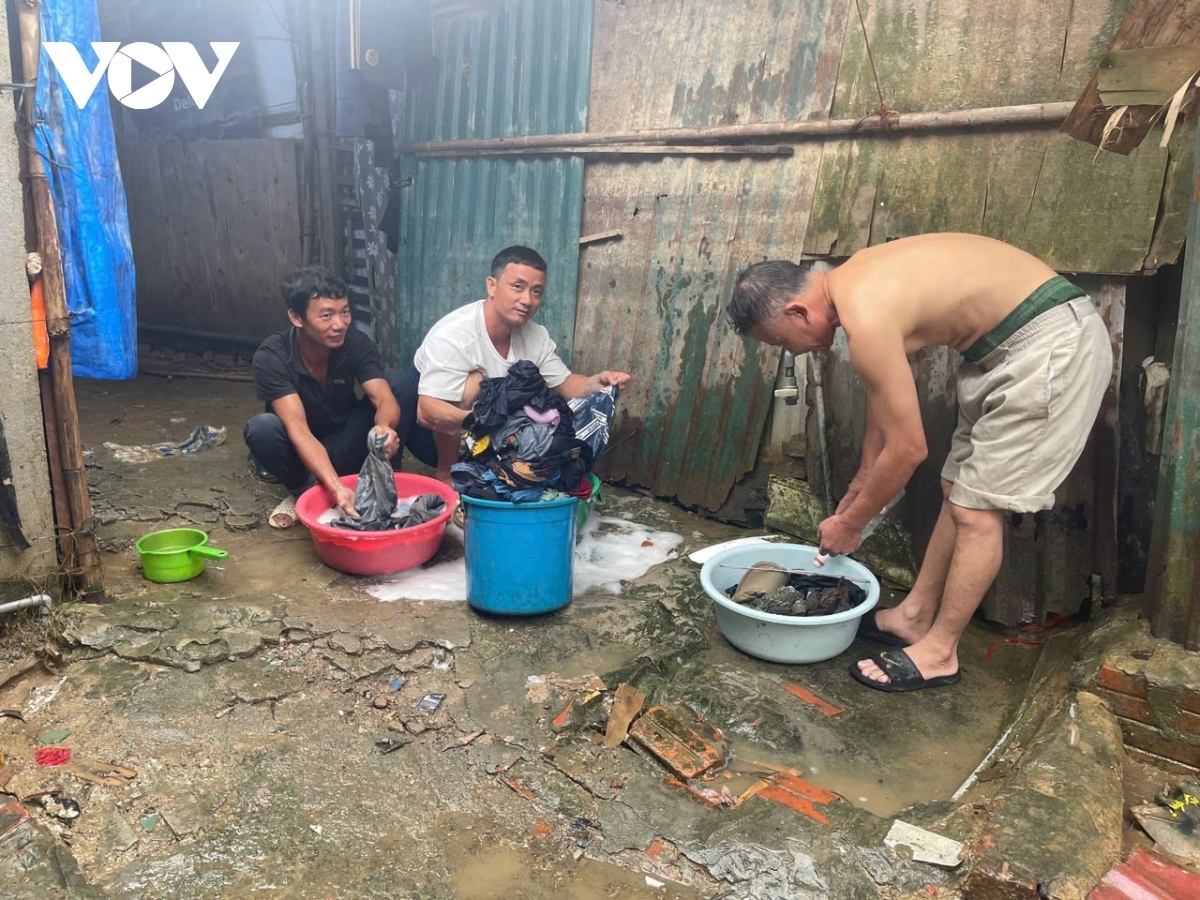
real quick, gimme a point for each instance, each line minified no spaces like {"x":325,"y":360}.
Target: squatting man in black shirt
{"x":315,"y":426}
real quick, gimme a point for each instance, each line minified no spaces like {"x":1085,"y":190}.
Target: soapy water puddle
{"x":609,"y":551}
{"x":934,"y":775}
{"x":486,"y":872}
{"x":505,"y":873}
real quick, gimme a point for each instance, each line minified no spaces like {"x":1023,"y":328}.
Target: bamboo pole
{"x":1030,"y":114}
{"x":623,"y":150}
{"x":320,"y":29}
{"x":243,"y":377}
{"x":58,"y":325}
{"x":58,"y":482}
{"x":298,"y":31}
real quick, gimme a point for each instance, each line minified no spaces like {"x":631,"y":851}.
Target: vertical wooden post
{"x":322,"y":29}
{"x":1175,"y":547}
{"x":311,"y":25}
{"x":58,"y":483}
{"x":58,"y":325}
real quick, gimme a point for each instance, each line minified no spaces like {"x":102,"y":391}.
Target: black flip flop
{"x":902,"y":672}
{"x":868,"y":630}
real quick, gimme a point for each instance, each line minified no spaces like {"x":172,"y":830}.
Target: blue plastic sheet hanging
{"x":79,"y":152}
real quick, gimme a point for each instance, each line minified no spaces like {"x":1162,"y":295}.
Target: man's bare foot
{"x":931,"y":662}
{"x":896,"y":621}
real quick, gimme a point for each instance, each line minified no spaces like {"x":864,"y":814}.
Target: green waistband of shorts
{"x":1053,"y":293}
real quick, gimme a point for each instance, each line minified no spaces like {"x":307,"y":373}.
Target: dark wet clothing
{"x":509,"y":456}
{"x":808,"y":595}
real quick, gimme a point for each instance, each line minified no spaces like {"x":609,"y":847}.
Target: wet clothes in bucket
{"x":521,"y":440}
{"x":772,"y":590}
{"x":375,"y":498}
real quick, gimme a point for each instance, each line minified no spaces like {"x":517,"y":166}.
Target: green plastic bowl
{"x":176,"y":554}
{"x":584,"y":509}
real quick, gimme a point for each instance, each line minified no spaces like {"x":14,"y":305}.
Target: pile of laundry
{"x":376,"y":501}
{"x":521,"y":444}
{"x":770,"y":588}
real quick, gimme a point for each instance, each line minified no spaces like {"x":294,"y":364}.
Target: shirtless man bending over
{"x":1036,"y":362}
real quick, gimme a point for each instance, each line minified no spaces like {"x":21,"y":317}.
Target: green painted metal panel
{"x":653,"y":303}
{"x":1175,"y":551}
{"x":517,"y":67}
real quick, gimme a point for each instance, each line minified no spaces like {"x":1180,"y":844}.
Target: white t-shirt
{"x":458,"y":344}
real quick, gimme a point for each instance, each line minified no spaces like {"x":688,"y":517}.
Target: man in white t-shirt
{"x":482,"y":340}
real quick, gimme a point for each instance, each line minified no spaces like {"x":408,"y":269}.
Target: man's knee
{"x":403,"y":386}
{"x":404,"y":389}
{"x":981,"y":521}
{"x":262,"y":430}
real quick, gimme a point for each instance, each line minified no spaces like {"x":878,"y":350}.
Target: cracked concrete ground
{"x":255,"y":704}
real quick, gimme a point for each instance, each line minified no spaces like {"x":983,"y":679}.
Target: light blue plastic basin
{"x":785,"y":639}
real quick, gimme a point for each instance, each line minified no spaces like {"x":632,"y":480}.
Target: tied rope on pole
{"x":886,"y":114}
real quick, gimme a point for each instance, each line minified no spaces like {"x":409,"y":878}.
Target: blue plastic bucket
{"x":519,"y":555}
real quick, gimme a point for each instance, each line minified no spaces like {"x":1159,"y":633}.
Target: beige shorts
{"x":1026,"y":409}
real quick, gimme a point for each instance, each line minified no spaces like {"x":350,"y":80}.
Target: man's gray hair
{"x":764,"y":288}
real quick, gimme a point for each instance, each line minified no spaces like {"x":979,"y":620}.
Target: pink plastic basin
{"x":376,"y":552}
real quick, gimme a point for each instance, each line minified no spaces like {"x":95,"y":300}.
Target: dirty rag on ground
{"x":202,"y":438}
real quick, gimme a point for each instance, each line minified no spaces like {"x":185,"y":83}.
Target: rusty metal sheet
{"x":1045,"y":192}
{"x":653,"y":302}
{"x":515,"y":67}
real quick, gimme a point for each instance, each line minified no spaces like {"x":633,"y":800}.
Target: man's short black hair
{"x":517,"y":256}
{"x":308,"y":283}
{"x":762,"y":290}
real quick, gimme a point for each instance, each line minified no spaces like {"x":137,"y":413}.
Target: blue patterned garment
{"x":593,"y":418}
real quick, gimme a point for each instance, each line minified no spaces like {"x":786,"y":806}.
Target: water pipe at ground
{"x":42,"y":600}
{"x":788,"y":391}
{"x":816,"y":379}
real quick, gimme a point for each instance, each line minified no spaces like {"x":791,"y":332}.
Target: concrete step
{"x":1054,"y":829}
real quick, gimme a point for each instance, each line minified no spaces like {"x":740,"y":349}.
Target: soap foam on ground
{"x":611,"y":550}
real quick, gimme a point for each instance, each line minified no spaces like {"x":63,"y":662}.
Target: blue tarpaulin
{"x":79,"y":152}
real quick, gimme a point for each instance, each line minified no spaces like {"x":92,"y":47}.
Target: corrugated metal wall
{"x":653,"y":303}
{"x":516,"y":67}
{"x":1055,"y":196}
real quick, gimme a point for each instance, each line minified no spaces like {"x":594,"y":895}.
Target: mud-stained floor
{"x":269,"y":710}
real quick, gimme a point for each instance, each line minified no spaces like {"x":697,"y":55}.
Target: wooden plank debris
{"x":1150,"y":23}
{"x":1149,"y":76}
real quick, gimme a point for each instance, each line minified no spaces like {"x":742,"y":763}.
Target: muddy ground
{"x":254,"y":705}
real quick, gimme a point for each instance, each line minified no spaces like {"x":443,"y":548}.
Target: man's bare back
{"x":936,"y":289}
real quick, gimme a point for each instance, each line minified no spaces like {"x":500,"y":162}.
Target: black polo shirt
{"x":279,"y":371}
